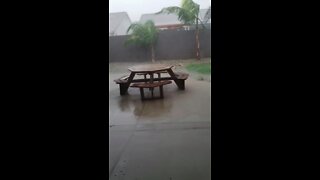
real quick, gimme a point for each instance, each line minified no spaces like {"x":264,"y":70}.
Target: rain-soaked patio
{"x":161,"y":139}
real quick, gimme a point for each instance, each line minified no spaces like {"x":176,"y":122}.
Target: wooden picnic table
{"x":151,"y":69}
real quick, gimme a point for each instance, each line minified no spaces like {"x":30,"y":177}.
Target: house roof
{"x":115,"y":19}
{"x":208,"y":15}
{"x":160,"y":19}
{"x":203,"y":16}
{"x":170,"y":19}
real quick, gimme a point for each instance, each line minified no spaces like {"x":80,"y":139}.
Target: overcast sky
{"x":135,"y":8}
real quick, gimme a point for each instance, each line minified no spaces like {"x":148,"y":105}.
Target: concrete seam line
{"x":125,"y":146}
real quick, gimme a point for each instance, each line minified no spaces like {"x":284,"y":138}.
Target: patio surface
{"x":162,"y":139}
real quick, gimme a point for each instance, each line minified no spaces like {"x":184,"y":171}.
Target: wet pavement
{"x":161,"y":139}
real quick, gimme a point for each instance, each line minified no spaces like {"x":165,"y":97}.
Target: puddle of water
{"x":147,"y":108}
{"x":192,"y":103}
{"x":155,"y":108}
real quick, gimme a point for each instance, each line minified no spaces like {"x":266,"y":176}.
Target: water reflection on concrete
{"x":147,"y":108}
{"x":124,"y":103}
{"x":154,"y":108}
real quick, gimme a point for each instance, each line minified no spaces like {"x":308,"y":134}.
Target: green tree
{"x":143,"y":35}
{"x":188,"y":14}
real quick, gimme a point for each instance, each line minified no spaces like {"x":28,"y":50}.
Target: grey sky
{"x":135,"y":8}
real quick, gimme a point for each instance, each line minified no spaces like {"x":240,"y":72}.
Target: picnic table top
{"x":150,"y":68}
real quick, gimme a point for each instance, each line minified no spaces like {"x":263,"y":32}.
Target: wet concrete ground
{"x":162,"y":139}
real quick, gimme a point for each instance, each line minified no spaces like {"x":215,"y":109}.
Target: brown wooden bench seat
{"x":123,"y":83}
{"x":151,"y":86}
{"x":181,"y":77}
{"x":123,"y":79}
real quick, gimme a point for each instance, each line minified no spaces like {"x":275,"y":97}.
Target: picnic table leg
{"x":151,"y":81}
{"x":145,"y":78}
{"x":124,"y":87}
{"x":142,"y":93}
{"x":152,"y":92}
{"x":161,"y":91}
{"x":179,"y":83}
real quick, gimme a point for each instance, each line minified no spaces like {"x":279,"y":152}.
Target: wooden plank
{"x":119,"y":81}
{"x":156,"y":72}
{"x":124,"y":77}
{"x":178,"y":75}
{"x":150,"y":85}
{"x":149,"y":68}
{"x":154,"y":79}
{"x":181,"y":75}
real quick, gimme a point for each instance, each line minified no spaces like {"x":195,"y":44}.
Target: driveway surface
{"x":162,"y":139}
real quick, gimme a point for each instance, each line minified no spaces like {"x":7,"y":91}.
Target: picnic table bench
{"x":151,"y":86}
{"x":125,"y":81}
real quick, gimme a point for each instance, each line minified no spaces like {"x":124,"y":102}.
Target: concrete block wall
{"x":171,"y":44}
